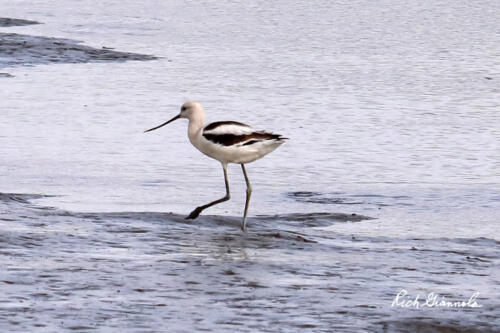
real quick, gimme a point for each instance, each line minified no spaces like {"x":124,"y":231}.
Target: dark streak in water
{"x":340,"y":198}
{"x":11,"y":22}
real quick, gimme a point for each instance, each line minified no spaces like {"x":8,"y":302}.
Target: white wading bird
{"x":227,"y":142}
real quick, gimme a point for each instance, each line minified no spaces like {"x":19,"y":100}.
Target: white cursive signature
{"x":433,"y":300}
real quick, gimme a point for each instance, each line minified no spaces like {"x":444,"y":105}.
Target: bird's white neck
{"x":196,"y":123}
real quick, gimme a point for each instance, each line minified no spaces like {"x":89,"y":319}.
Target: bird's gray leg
{"x":194,"y":214}
{"x":249,"y":193}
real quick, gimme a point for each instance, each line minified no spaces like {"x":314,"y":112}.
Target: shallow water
{"x":392,"y":111}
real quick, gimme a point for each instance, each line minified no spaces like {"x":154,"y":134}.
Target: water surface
{"x":392,"y":113}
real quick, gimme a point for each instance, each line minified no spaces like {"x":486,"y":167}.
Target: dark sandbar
{"x":17,"y":49}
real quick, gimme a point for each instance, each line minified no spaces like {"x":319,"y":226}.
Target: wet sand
{"x":146,"y":272}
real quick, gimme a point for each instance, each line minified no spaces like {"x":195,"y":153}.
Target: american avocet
{"x":227,"y":142}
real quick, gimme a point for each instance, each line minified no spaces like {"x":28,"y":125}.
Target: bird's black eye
{"x":183,"y":108}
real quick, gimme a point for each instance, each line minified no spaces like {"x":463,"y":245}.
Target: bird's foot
{"x":194,"y":214}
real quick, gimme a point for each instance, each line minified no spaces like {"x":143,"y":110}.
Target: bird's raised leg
{"x":194,"y":214}
{"x":249,"y":193}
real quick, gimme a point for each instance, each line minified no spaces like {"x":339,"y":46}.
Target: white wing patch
{"x":228,"y":128}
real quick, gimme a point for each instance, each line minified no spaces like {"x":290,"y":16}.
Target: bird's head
{"x":190,"y":109}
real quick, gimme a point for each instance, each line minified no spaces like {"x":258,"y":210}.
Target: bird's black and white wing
{"x":235,"y":134}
